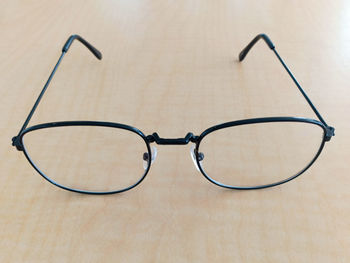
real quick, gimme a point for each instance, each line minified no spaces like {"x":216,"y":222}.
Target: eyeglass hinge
{"x":330,"y":133}
{"x":16,"y":142}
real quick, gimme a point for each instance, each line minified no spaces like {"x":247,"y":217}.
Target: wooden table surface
{"x":171,"y":67}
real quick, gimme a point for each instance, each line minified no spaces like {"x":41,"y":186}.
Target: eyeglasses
{"x":95,"y":157}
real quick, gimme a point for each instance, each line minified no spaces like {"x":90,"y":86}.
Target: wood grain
{"x":171,"y":67}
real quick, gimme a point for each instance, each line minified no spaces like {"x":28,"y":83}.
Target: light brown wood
{"x":171,"y":67}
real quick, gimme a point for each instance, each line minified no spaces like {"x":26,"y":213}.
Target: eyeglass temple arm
{"x":267,"y":40}
{"x":64,"y":51}
{"x":70,"y":40}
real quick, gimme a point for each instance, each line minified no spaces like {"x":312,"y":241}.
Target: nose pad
{"x":193,"y":156}
{"x":146,"y":157}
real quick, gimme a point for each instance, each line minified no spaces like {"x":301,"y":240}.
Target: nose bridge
{"x":172,"y":141}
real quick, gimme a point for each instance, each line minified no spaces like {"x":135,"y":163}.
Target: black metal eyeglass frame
{"x":18,"y":143}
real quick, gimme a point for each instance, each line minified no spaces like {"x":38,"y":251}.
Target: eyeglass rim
{"x":85,"y":123}
{"x":257,"y":121}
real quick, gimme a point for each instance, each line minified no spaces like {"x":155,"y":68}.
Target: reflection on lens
{"x":259,"y":154}
{"x":88,"y":158}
